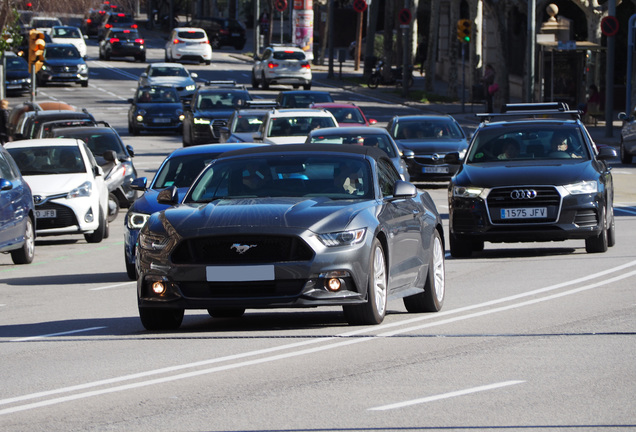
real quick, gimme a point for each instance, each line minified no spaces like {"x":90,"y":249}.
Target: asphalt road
{"x":532,"y":336}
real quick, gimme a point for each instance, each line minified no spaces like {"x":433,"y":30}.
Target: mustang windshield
{"x":526,"y":143}
{"x":289,"y":176}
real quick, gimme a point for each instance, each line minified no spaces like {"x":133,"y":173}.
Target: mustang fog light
{"x":333,"y":284}
{"x":89,"y":216}
{"x":158,"y":287}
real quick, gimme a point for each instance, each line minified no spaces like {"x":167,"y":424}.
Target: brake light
{"x":133,"y":26}
{"x":288,"y":51}
{"x":126,"y":31}
{"x":139,"y":41}
{"x":205,"y":42}
{"x":108,"y":26}
{"x":121,"y":14}
{"x":272,"y":65}
{"x":88,"y":21}
{"x":305,"y":66}
{"x":114,"y":40}
{"x":176,"y":41}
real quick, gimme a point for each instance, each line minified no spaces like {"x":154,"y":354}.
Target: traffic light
{"x":36,"y":49}
{"x":463,"y":30}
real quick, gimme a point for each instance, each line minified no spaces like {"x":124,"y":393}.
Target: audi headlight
{"x":582,"y":188}
{"x":201,"y":121}
{"x":152,"y":241}
{"x":343,"y":238}
{"x":191,"y":87}
{"x":468,"y":191}
{"x":136,"y":220}
{"x":81,"y":191}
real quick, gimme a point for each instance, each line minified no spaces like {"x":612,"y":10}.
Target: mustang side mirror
{"x":169,"y":196}
{"x":403,"y":189}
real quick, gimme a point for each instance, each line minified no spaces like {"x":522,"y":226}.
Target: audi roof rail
{"x":541,"y":110}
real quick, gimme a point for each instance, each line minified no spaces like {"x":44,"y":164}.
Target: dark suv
{"x":209,"y":109}
{"x":531,"y":174}
{"x":222,"y":31}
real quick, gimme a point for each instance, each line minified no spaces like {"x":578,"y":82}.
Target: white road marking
{"x":112,"y":286}
{"x":334,"y":342}
{"x":57,"y":334}
{"x":446,"y":395}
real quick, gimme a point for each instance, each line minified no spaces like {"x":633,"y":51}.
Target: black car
{"x":431,"y":137}
{"x":101,"y":139}
{"x":93,"y":21}
{"x":116,"y":20}
{"x":222,"y":31}
{"x":530,"y":175}
{"x":62,"y":64}
{"x":292,"y":226}
{"x":209,"y":109}
{"x":119,"y":42}
{"x":17,"y":75}
{"x":155,"y":109}
{"x":302,"y":98}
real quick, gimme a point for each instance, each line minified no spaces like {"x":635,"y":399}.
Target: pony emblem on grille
{"x":241,"y":249}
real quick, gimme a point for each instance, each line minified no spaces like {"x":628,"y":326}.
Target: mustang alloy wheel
{"x":374,"y":310}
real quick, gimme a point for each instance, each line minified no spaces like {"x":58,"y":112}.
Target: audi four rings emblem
{"x":521,"y":194}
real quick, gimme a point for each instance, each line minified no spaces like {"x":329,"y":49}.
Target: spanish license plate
{"x":43,"y":214}
{"x":162,"y":120}
{"x":435,"y":170}
{"x":239,"y":273}
{"x":13,"y":86}
{"x":524,"y":213}
{"x":66,"y":75}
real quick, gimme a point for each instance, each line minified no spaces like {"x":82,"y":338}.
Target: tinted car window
{"x":191,"y":35}
{"x":16,"y":63}
{"x":289,"y":55}
{"x":439,"y":129}
{"x":61,"y":52}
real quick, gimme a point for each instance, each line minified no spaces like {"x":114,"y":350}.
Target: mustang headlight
{"x":152,"y":241}
{"x":468,"y":191}
{"x":582,"y":188}
{"x":137,"y":220}
{"x":191,"y":87}
{"x":201,"y":121}
{"x":343,"y":238}
{"x":82,"y":191}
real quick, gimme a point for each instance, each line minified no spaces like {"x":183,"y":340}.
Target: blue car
{"x":179,"y":169}
{"x":17,"y":212}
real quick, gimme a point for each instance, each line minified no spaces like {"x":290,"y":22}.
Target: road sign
{"x":359,"y":5}
{"x":405,"y":16}
{"x":281,"y":5}
{"x":609,"y":26}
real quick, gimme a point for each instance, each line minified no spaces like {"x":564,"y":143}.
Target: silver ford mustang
{"x":292,"y":226}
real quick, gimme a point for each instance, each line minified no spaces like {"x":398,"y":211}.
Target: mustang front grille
{"x":241,"y":249}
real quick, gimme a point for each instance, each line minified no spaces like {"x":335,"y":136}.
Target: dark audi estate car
{"x":533,"y":178}
{"x":292,"y":226}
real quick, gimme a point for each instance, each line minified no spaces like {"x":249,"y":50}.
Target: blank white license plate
{"x":524,"y":213}
{"x":239,"y":273}
{"x":42,"y":214}
{"x":435,"y":170}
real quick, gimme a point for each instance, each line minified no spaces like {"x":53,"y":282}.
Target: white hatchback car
{"x":70,"y":35}
{"x":68,"y":186}
{"x":188,"y":43}
{"x":281,"y":64}
{"x":291,"y":126}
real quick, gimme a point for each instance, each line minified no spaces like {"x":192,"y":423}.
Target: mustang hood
{"x":259,"y":214}
{"x":505,"y":174}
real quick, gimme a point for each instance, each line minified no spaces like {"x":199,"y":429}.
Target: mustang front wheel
{"x":374,"y":310}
